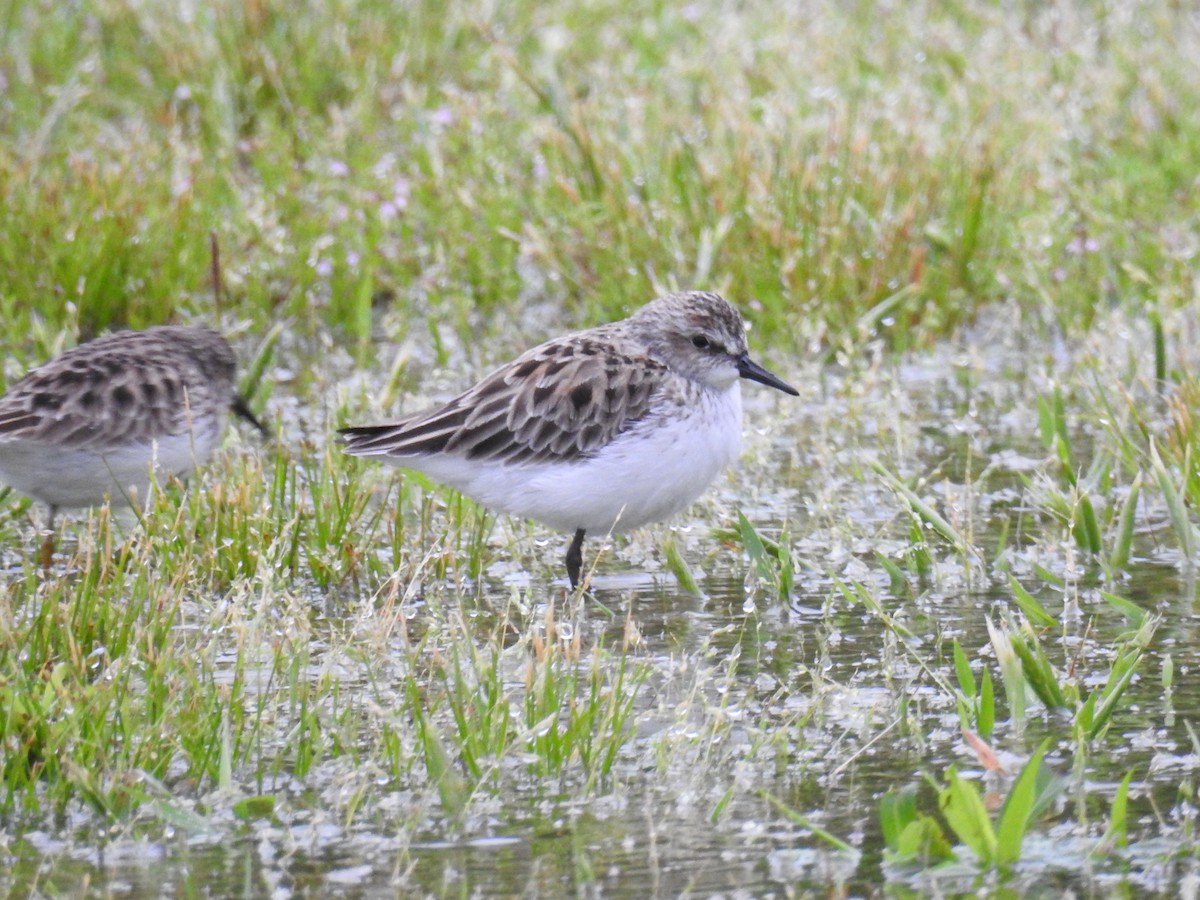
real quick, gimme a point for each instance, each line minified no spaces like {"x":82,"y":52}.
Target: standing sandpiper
{"x":601,"y":430}
{"x":100,"y":421}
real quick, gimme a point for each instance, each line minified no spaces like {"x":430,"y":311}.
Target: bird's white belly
{"x":644,"y":475}
{"x":69,"y":478}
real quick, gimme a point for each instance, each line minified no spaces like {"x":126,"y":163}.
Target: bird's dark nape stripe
{"x":575,"y":558}
{"x":241,"y":408}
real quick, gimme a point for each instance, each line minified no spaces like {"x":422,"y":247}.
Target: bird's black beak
{"x":241,"y":408}
{"x":748,"y":368}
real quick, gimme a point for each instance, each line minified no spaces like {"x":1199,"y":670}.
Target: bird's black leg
{"x":575,"y":558}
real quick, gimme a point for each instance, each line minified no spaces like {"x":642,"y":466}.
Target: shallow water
{"x":810,"y":699}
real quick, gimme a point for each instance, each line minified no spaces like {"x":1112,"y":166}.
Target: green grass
{"x":404,"y":194}
{"x":851,"y":174}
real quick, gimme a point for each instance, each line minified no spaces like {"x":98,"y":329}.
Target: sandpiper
{"x":100,"y":421}
{"x":600,"y":430}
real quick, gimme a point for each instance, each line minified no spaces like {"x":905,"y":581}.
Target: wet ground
{"x":813,"y":699}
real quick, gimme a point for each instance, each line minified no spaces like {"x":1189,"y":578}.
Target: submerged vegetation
{"x":938,"y":630}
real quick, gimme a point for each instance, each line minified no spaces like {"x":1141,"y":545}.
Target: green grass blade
{"x":896,"y":810}
{"x":962,"y":668}
{"x":926,"y":512}
{"x":828,"y":837}
{"x":1034,"y":611}
{"x":1127,"y":608}
{"x":679,"y":567}
{"x":263,"y":357}
{"x":1120,"y":677}
{"x":1176,"y":507}
{"x":1018,"y":810}
{"x":756,"y":549}
{"x":1011,"y":671}
{"x":1123,"y":540}
{"x":1089,"y":526}
{"x":1038,"y":671}
{"x":1117,"y":833}
{"x":898,"y":582}
{"x":963,"y":809}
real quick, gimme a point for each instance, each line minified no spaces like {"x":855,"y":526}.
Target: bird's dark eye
{"x":700,"y":342}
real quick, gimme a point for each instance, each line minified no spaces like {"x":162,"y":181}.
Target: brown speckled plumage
{"x":98,"y":420}
{"x":606,"y":428}
{"x":127,"y":387}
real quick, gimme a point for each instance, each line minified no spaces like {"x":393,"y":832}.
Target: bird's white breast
{"x":648,"y":473}
{"x":66,"y":477}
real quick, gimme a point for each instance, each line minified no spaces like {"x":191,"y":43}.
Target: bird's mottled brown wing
{"x":131,"y":387}
{"x":559,"y":401}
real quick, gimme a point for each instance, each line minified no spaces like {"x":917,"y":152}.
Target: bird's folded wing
{"x":562,"y":400}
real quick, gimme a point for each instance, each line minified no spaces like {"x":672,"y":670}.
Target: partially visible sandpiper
{"x":100,"y":421}
{"x":601,"y":430}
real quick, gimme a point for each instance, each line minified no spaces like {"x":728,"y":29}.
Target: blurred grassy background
{"x":843,"y":171}
{"x":463,"y":179}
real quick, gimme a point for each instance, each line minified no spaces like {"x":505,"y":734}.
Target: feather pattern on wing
{"x":128,"y":387}
{"x":561,"y":401}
